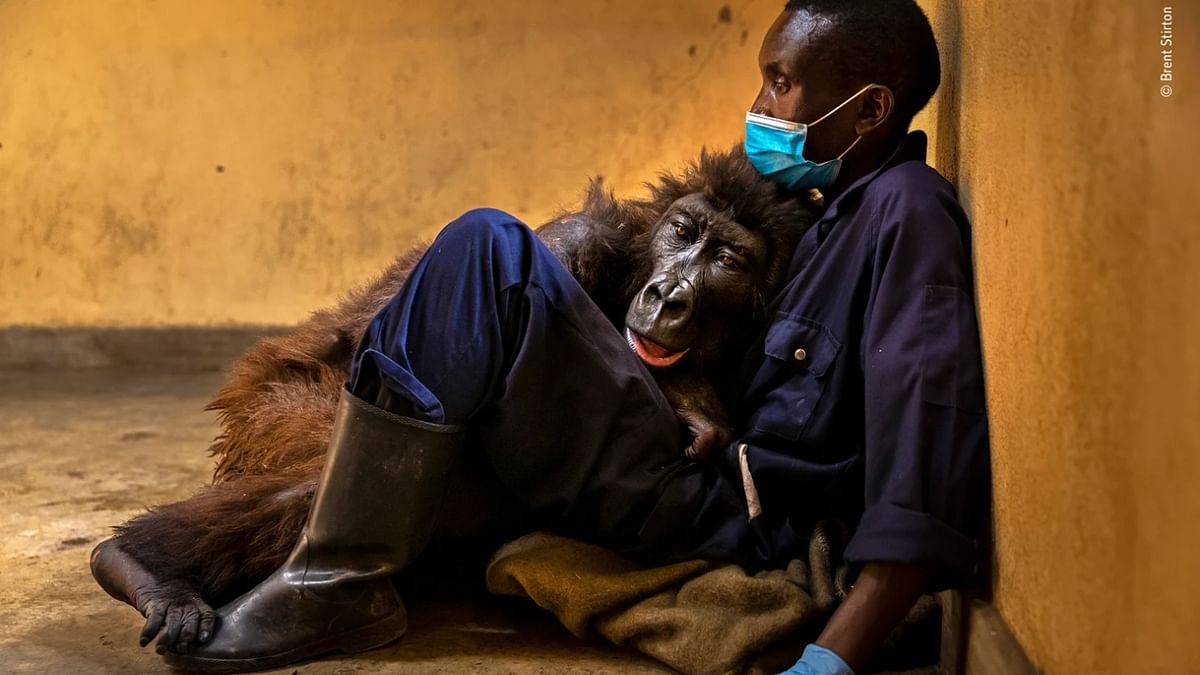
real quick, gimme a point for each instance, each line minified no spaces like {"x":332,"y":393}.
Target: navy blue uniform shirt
{"x":865,"y":396}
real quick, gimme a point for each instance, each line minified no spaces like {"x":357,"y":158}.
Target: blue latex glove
{"x":819,"y":661}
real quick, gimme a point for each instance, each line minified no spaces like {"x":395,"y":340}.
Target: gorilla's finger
{"x":171,"y":630}
{"x":187,"y":631}
{"x":155,"y":616}
{"x":208,"y":618}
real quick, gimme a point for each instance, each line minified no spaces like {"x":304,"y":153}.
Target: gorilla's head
{"x":721,"y":240}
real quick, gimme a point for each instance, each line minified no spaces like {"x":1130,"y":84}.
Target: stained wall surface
{"x":173,"y":163}
{"x":246,"y":161}
{"x":1078,"y":175}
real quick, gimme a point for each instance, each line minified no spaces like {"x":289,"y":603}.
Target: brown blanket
{"x":698,"y":617}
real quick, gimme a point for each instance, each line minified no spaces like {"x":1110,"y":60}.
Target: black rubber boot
{"x":374,"y":511}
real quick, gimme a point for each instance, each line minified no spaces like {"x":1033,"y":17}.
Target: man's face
{"x":799,"y":86}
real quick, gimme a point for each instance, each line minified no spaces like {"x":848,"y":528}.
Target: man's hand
{"x":879,"y":600}
{"x":818,"y":660}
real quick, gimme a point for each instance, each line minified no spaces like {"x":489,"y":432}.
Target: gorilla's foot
{"x":281,"y":622}
{"x":172,"y":607}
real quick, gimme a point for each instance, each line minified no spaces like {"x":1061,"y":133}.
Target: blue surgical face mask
{"x":776,"y":148}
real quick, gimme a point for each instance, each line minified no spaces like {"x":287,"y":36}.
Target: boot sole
{"x":363,"y":639}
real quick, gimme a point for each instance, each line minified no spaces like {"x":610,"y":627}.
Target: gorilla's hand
{"x":699,"y":408}
{"x":175,"y":611}
{"x":173,"y":608}
{"x":707,"y":435}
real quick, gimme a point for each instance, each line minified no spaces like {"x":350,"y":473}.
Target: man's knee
{"x":484,"y":226}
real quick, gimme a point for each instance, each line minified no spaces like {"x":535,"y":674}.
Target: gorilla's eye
{"x":726,"y":260}
{"x":682,"y":231}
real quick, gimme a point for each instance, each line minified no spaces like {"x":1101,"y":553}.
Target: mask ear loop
{"x":847,"y":150}
{"x":841,"y":105}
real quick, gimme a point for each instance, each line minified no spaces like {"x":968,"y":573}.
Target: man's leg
{"x":489,"y":332}
{"x":493,"y":332}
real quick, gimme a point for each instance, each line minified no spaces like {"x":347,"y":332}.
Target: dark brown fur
{"x":277,"y":406}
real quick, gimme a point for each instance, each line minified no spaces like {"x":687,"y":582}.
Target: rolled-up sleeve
{"x":927,"y":487}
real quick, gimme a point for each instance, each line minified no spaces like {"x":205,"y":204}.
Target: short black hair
{"x":888,"y":42}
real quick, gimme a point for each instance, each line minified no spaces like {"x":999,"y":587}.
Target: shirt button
{"x":800,"y":354}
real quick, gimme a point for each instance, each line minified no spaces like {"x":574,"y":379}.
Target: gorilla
{"x":685,"y":273}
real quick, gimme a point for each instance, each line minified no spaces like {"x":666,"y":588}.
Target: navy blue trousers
{"x":491,"y":331}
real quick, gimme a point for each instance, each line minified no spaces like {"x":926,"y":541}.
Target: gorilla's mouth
{"x":651,"y":353}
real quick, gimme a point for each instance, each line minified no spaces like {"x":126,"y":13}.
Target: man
{"x":863,"y":398}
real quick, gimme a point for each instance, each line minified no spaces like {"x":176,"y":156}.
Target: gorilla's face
{"x":706,"y":270}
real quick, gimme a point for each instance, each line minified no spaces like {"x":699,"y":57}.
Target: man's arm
{"x":925,"y":453}
{"x":881,"y":597}
{"x":925,"y":441}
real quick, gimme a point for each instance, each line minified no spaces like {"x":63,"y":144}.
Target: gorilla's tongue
{"x":653,"y":354}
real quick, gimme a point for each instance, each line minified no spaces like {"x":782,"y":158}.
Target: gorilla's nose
{"x":670,"y":301}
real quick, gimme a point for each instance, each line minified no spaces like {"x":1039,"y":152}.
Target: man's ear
{"x":877,"y":106}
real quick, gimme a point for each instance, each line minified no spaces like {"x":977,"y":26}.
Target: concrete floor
{"x":81,"y":451}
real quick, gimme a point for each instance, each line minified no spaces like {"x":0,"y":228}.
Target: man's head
{"x":818,"y":53}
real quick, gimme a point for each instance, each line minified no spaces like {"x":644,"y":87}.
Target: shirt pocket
{"x":951,"y":362}
{"x":800,"y":353}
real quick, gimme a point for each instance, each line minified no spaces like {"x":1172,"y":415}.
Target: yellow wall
{"x":1079,"y":176}
{"x":346,"y":131}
